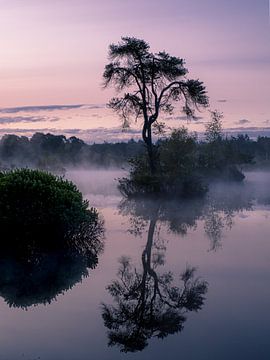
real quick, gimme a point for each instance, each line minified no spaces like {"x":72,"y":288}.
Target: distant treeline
{"x":54,"y":152}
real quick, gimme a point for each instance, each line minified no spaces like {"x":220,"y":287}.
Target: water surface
{"x":222,"y":312}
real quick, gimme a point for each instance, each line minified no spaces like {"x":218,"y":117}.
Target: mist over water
{"x":99,"y":186}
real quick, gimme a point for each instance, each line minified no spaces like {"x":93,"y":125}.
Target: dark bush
{"x":49,"y":236}
{"x":38,"y":207}
{"x":177,"y":171}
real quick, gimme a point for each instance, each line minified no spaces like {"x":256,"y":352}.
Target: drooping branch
{"x":127,"y":105}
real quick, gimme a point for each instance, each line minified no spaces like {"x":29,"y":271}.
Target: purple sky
{"x":54,"y":52}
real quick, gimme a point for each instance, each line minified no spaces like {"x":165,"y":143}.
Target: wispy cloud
{"x":249,"y":128}
{"x":242,"y":122}
{"x":19,"y":131}
{"x":18,"y":109}
{"x":183,"y":118}
{"x":252,"y":131}
{"x":94,"y":106}
{"x":222,"y":100}
{"x":26,"y":119}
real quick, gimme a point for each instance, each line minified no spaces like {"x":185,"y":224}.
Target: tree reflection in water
{"x":151,"y":304}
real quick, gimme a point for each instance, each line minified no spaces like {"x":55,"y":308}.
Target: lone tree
{"x":156,"y":82}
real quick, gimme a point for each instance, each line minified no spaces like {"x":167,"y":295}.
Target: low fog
{"x":99,"y":186}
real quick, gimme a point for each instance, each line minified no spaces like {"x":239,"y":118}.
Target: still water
{"x":175,"y":280}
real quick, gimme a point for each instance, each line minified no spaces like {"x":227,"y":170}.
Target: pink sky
{"x":54,"y":52}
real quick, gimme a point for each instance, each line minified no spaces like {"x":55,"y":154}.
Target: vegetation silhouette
{"x":217,"y":157}
{"x":49,"y":236}
{"x":178,"y":175}
{"x":186,"y":165}
{"x":40,"y":152}
{"x":155,"y":82}
{"x":56,"y":152}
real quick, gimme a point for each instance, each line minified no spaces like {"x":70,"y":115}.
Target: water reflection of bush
{"x":35,"y":274}
{"x":151,"y":304}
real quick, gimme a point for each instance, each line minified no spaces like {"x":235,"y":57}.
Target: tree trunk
{"x":147,"y":137}
{"x":150,"y":150}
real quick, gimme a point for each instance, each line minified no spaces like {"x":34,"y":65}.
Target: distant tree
{"x":178,"y":161}
{"x":213,"y":129}
{"x":156,"y":82}
{"x":14,"y":149}
{"x":49,"y":143}
{"x":213,"y":157}
{"x":263,"y":147}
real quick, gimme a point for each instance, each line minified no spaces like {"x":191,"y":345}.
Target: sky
{"x":54,"y":53}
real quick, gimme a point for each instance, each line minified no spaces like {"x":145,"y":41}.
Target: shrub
{"x":177,"y":171}
{"x":49,"y":236}
{"x":38,"y":207}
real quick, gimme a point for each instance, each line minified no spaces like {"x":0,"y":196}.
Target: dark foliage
{"x":54,"y":153}
{"x":184,"y":165}
{"x":39,"y":207}
{"x":38,"y":152}
{"x":177,"y":173}
{"x":49,"y":236}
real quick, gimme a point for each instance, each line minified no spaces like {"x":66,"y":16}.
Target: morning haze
{"x":134,"y":180}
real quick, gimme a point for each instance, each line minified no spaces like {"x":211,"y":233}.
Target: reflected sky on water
{"x":225,"y":237}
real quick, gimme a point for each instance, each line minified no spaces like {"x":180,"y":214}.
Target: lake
{"x":186,"y":279}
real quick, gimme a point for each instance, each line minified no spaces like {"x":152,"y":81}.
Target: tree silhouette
{"x":155,"y":83}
